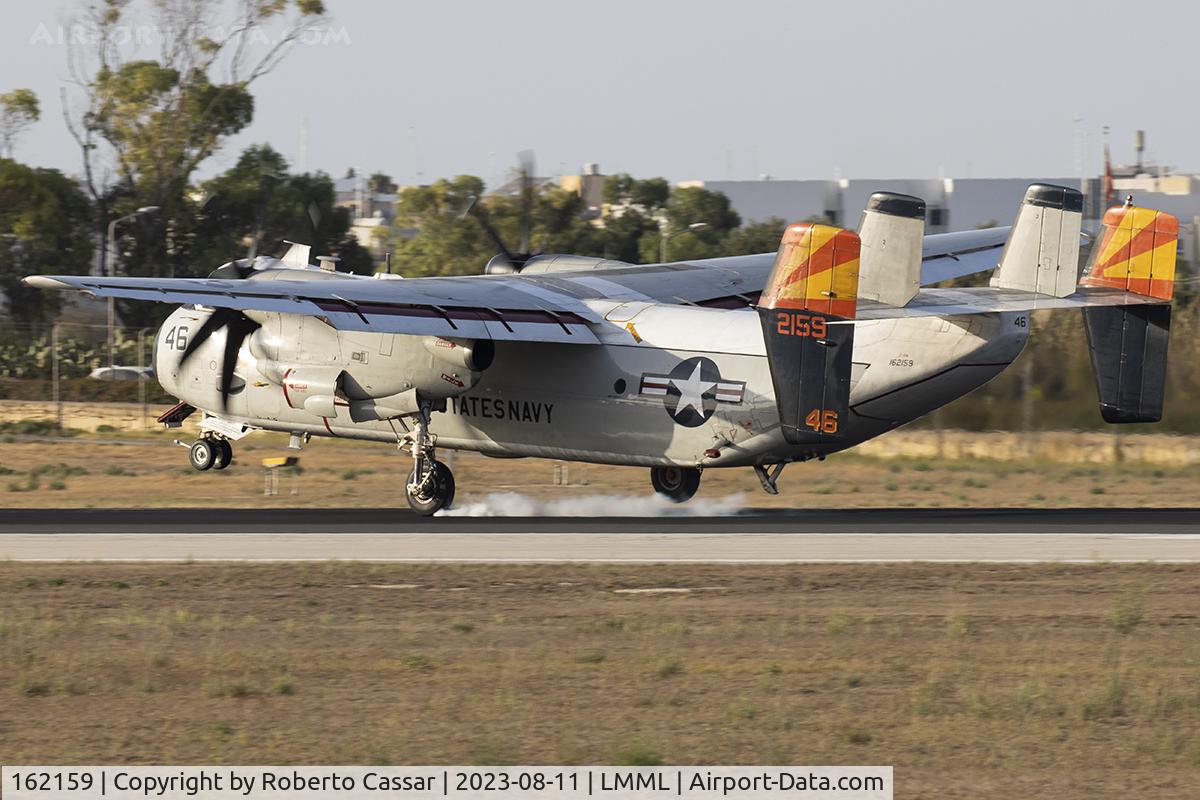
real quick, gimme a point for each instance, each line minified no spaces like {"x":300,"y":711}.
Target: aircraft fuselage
{"x":667,"y":384}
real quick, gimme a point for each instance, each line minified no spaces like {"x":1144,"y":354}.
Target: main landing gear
{"x":210,"y":453}
{"x":677,"y":484}
{"x":430,"y":486}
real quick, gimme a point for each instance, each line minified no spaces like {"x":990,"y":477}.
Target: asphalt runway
{"x":851,"y":535}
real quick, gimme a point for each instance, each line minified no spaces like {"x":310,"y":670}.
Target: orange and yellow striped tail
{"x":816,"y":270}
{"x":1136,"y":252}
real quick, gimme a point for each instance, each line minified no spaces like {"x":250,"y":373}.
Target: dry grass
{"x":114,"y":471}
{"x":974,"y":681}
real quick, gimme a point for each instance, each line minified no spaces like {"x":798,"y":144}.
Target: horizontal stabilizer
{"x":1042,"y":252}
{"x":892,"y":234}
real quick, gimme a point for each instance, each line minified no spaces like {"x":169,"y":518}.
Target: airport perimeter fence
{"x":70,"y":362}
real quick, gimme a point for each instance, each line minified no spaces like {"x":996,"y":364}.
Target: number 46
{"x":177,"y":338}
{"x":822,"y":421}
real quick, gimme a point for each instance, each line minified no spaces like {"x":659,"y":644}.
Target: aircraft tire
{"x":439,"y":497}
{"x":677,"y":484}
{"x":224,"y":454}
{"x":202,"y":454}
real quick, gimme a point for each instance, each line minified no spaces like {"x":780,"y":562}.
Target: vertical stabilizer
{"x":893,"y":236}
{"x":296,"y":255}
{"x":805,"y":307}
{"x":1136,"y":253}
{"x":1042,"y":253}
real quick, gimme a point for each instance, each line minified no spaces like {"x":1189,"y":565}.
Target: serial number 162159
{"x":53,"y":781}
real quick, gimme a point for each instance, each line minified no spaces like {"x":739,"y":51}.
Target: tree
{"x":18,"y":110}
{"x":432,"y":234}
{"x":143,"y":126}
{"x":691,"y":204}
{"x":754,"y":237}
{"x":44,"y":227}
{"x":258,"y":203}
{"x":624,"y":236}
{"x":381,"y":183}
{"x":647,"y":195}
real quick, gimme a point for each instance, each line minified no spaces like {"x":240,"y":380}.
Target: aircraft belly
{"x":924,"y":363}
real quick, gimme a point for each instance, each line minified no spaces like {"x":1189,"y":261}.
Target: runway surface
{"x":876,"y":535}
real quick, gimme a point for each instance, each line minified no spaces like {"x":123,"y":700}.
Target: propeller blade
{"x":214,"y":208}
{"x":480,"y":215}
{"x":528,"y":176}
{"x":238,"y":329}
{"x":211,"y":325}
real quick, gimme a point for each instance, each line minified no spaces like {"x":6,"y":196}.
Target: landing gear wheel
{"x":677,"y":484}
{"x":202,"y":454}
{"x":224,"y":454}
{"x":434,"y":492}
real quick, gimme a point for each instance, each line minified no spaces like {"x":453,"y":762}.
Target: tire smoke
{"x":514,"y":504}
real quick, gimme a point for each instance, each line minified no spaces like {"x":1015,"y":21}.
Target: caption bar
{"x":460,"y":783}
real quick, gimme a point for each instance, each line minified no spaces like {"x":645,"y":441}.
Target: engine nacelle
{"x":314,"y":389}
{"x":475,"y":355}
{"x":419,"y":367}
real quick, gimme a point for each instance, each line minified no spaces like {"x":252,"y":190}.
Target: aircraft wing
{"x":736,"y":281}
{"x":551,"y":306}
{"x":498,"y":307}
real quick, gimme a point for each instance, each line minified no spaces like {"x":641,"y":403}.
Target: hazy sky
{"x":691,"y":89}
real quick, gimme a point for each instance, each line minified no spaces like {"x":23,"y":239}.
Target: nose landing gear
{"x":210,"y":453}
{"x":677,"y":484}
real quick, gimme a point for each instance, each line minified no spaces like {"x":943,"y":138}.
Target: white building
{"x":956,"y":204}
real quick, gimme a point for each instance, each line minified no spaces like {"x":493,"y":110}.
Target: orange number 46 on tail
{"x":822,"y":421}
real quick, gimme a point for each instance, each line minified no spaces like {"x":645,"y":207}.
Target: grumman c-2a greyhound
{"x":751,"y":361}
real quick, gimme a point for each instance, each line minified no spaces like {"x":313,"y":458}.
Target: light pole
{"x":663,"y":238}
{"x":112,"y":268}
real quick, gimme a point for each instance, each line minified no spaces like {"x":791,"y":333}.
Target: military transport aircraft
{"x":751,"y":361}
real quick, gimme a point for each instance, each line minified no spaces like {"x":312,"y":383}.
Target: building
{"x":952,"y":204}
{"x":590,"y":186}
{"x":371,"y":206}
{"x":955,"y":204}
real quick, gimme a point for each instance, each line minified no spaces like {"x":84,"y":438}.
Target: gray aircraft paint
{"x":584,"y":403}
